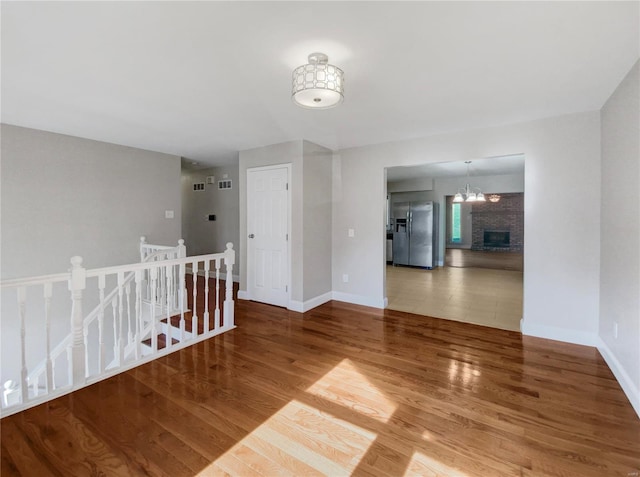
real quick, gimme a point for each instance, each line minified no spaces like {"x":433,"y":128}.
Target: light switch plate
{"x":168,"y":214}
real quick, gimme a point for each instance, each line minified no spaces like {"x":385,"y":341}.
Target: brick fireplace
{"x":498,"y":226}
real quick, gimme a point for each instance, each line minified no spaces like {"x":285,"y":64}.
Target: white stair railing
{"x":148,"y":252}
{"x":111,"y":338}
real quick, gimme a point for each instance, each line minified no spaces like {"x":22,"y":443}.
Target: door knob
{"x":251,"y":235}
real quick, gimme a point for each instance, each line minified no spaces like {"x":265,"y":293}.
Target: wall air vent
{"x":224,"y":184}
{"x":198,"y":187}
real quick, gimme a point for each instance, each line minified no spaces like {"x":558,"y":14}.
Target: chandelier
{"x":468,"y":193}
{"x":318,"y":85}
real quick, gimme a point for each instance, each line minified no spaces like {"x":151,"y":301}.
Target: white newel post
{"x":77,"y":283}
{"x":182,"y":249}
{"x":229,"y":260}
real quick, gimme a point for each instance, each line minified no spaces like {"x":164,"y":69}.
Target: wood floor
{"x":341,"y":390}
{"x":458,"y":257}
{"x":488,"y":297}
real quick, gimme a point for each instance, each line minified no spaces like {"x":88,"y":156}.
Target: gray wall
{"x":620,"y":232}
{"x":317,"y":179}
{"x":65,"y":196}
{"x":409,"y":185}
{"x":285,"y":153}
{"x":562,"y":244}
{"x":201,"y":235}
{"x":310,"y":241}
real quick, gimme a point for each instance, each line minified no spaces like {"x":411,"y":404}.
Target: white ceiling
{"x":204,"y":80}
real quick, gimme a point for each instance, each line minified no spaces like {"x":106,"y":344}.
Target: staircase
{"x":164,"y":303}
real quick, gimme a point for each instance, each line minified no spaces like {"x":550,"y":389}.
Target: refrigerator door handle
{"x":409,"y":222}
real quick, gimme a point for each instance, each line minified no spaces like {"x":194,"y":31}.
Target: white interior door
{"x":268,"y":235}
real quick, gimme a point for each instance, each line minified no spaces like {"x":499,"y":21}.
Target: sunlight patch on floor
{"x":424,"y":466}
{"x":332,"y":387}
{"x":297,"y":440}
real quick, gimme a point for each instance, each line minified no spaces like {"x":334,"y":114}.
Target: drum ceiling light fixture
{"x":318,"y":85}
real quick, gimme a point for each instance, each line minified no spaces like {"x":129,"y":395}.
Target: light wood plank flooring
{"x":341,"y":390}
{"x":459,"y":257}
{"x":473,"y":295}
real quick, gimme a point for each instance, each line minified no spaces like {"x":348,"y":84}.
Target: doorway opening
{"x":479,"y":247}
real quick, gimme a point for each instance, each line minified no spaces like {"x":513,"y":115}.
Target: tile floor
{"x":474,"y":295}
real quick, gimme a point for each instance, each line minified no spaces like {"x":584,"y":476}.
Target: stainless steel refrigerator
{"x":414,"y":233}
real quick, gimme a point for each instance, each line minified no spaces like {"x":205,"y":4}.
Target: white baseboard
{"x":359,"y":299}
{"x":593,"y":340}
{"x":559,"y":334}
{"x":625,"y":381}
{"x":302,"y":307}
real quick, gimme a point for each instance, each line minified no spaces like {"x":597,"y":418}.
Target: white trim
{"x":559,"y":334}
{"x":243,"y":295}
{"x":358,"y":299}
{"x":303,"y":307}
{"x":631,"y":391}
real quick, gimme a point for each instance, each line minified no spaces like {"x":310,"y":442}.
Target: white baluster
{"x":181,"y":253}
{"x":138,"y":335}
{"x":183,"y":298}
{"x":121,"y":334}
{"x":77,"y":284}
{"x":194,"y":316}
{"x":85,"y":334}
{"x":229,"y":260}
{"x":153,"y":272}
{"x":48,"y":293}
{"x":101,"y":285}
{"x":167,"y":303}
{"x":22,"y":305}
{"x":216,"y":314}
{"x":171,"y":294}
{"x":206,"y":328}
{"x":114,"y":312}
{"x":127,"y":292}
